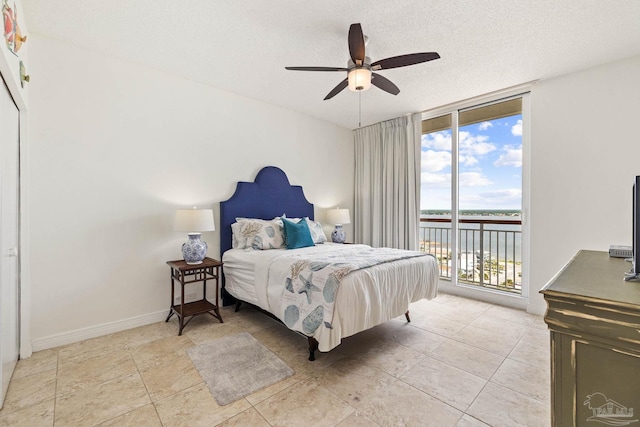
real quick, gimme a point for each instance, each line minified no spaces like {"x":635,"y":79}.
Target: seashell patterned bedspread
{"x":310,"y":281}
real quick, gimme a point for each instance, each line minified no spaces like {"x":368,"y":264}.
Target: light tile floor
{"x":459,"y":362}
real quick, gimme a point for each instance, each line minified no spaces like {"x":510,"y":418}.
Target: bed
{"x":372,"y":285}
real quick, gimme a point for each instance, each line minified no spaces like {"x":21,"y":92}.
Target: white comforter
{"x":365,"y":298}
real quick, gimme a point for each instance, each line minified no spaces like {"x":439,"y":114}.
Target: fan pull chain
{"x":360,"y":109}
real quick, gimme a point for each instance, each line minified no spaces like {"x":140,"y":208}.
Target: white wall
{"x":114,"y":149}
{"x":585,"y":152}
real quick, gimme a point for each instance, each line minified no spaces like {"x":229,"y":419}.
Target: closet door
{"x":9,"y":207}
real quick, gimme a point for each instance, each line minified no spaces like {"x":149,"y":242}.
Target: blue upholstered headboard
{"x":269,"y":196}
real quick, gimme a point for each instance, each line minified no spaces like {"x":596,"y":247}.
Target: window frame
{"x":454,"y":109}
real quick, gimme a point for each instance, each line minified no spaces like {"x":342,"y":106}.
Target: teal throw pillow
{"x":297,"y":235}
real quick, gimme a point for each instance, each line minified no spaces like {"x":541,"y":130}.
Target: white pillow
{"x":317,"y":233}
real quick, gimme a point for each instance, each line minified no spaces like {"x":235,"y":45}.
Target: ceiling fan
{"x":360,"y":69}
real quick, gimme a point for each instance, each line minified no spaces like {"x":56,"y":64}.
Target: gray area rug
{"x":236,"y":366}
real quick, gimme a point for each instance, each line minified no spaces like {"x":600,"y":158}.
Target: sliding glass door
{"x":471,"y":194}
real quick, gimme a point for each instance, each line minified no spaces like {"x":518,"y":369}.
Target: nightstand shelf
{"x":193,"y":308}
{"x":184,"y":274}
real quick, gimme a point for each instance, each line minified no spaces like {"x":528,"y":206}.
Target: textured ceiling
{"x":243,"y":45}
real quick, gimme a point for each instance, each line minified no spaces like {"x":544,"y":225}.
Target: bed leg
{"x":238,"y":303}
{"x":313,"y":346}
{"x":407,"y":316}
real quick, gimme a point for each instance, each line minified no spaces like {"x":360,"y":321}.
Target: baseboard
{"x":96,"y":331}
{"x":539,"y":309}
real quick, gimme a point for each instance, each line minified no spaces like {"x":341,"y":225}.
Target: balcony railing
{"x":489,"y":250}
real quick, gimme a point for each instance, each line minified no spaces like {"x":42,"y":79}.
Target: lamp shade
{"x":338,"y":216}
{"x":359,"y":79}
{"x":194,"y":220}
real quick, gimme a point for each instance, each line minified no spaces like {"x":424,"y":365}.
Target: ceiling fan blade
{"x":317,"y":68}
{"x":356,"y":44}
{"x":336,"y":90}
{"x":384,"y":84}
{"x":404,"y":60}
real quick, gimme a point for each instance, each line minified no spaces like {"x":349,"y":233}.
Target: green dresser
{"x":594,"y":319}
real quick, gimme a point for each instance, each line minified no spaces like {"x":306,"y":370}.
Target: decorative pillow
{"x":317,"y":234}
{"x":235,"y":236}
{"x":297,"y":234}
{"x":256,"y":234}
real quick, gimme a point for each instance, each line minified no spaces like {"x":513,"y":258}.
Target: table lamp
{"x":338,"y":217}
{"x":194,"y":221}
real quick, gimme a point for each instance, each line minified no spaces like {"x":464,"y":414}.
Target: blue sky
{"x":490,"y":166}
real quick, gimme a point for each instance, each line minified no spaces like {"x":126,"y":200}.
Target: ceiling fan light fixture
{"x":360,"y":68}
{"x":359,"y":79}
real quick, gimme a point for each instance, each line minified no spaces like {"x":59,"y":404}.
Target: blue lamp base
{"x":338,"y":235}
{"x":194,"y":250}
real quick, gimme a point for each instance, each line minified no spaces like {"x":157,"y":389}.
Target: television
{"x":634,"y":273}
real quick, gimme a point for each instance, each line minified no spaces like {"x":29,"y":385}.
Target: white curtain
{"x":387,"y":183}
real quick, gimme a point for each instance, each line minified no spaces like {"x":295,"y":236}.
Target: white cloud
{"x":516,"y":129}
{"x":473,"y":179}
{"x":485,"y":125}
{"x":508,"y":198}
{"x":436,"y":180}
{"x":474,"y":145}
{"x":435,"y":161}
{"x":512,"y":156}
{"x":436,"y":197}
{"x":469,"y":145}
{"x":468,"y":160}
{"x":437,"y":141}
{"x":504,"y":194}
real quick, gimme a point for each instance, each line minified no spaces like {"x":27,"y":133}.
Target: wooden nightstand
{"x":185,"y":273}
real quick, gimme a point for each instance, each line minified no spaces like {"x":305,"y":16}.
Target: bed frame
{"x":269,"y":196}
